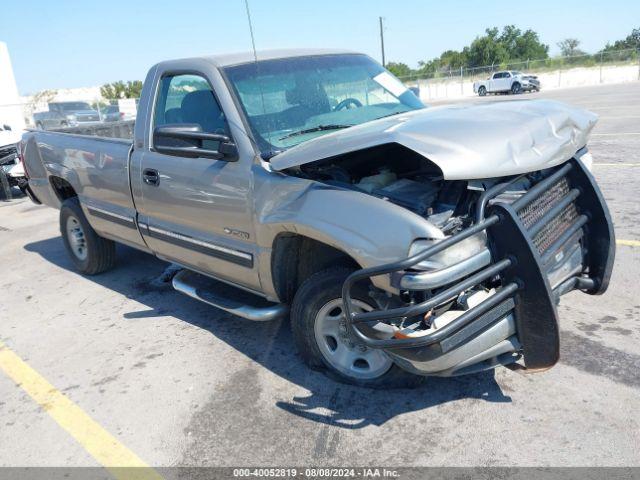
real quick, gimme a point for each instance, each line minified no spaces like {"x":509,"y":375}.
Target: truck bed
{"x":96,"y":167}
{"x":112,"y":130}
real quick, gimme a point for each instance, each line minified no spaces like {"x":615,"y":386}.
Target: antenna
{"x":255,"y":58}
{"x":253,"y":40}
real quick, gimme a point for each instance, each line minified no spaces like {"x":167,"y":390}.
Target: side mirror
{"x":188,"y":140}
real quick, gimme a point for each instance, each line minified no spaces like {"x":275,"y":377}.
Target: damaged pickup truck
{"x":400,"y":240}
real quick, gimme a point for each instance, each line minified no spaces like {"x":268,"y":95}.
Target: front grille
{"x":556,"y":226}
{"x":87,"y":118}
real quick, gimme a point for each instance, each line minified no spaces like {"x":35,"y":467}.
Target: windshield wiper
{"x":392,"y":114}
{"x":319,"y":128}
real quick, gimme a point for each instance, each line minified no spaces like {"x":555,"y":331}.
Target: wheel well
{"x":62,"y":188}
{"x":295,"y":258}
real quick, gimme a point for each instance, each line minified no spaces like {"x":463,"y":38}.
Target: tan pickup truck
{"x":402,"y":241}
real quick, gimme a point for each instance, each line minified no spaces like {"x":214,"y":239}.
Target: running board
{"x":228,"y":298}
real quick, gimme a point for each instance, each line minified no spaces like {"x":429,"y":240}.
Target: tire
{"x":516,"y":88}
{"x":318,"y":294}
{"x":482,"y":91}
{"x":90,"y":253}
{"x":5,"y":187}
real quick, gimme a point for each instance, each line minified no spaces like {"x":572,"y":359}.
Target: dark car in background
{"x":112,"y":113}
{"x":66,"y":114}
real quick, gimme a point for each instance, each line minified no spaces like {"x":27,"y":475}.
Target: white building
{"x":10,"y":105}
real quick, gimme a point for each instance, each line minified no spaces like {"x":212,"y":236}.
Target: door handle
{"x":151,"y":177}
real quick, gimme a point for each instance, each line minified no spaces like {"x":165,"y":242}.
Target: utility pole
{"x":382,"y":41}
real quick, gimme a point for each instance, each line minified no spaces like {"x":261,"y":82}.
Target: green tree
{"x":632,"y":41}
{"x":486,"y":50}
{"x":528,"y":46}
{"x":495,"y":47}
{"x":570,"y":47}
{"x":510,"y":45}
{"x":399,"y":69}
{"x":120,"y":89}
{"x":452,"y":60}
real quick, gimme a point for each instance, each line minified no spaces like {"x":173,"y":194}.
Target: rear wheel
{"x":321,"y":337}
{"x":90,"y":253}
{"x":482,"y":91}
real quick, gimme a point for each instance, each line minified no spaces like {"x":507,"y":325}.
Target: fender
{"x":370,"y":230}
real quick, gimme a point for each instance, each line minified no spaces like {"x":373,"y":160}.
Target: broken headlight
{"x":453,"y":255}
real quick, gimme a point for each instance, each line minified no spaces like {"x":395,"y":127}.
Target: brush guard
{"x":525,"y":237}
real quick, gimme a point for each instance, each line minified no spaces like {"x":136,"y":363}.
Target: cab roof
{"x":229,"y":59}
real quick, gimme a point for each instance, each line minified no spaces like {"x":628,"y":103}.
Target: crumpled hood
{"x":466,"y":141}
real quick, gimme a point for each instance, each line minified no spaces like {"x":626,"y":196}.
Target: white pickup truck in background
{"x":505,"y":82}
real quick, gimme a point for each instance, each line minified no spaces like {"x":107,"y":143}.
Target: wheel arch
{"x":296,"y":257}
{"x":62,"y":188}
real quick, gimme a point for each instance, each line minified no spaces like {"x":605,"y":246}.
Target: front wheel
{"x":321,"y":337}
{"x":89,"y":252}
{"x":482,"y":91}
{"x":516,"y":88}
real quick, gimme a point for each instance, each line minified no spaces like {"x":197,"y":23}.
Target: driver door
{"x":494,"y":83}
{"x":196,"y":211}
{"x":505,"y":81}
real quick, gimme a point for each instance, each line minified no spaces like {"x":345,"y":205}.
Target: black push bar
{"x":353,"y":319}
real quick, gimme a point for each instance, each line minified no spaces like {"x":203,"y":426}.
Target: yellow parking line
{"x":628,"y":243}
{"x":103,"y":446}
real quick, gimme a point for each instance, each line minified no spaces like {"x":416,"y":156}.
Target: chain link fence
{"x":576,"y":70}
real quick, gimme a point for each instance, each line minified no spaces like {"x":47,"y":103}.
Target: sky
{"x":71,"y":43}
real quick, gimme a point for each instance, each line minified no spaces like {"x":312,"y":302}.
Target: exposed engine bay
{"x":396,"y":174}
{"x":401,"y":176}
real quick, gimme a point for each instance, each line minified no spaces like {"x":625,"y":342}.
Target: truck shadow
{"x":139,"y":276}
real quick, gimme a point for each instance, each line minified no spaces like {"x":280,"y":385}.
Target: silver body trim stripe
{"x":111,"y":214}
{"x":185,"y":238}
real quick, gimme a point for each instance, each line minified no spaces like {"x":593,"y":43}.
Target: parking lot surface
{"x":175,"y":382}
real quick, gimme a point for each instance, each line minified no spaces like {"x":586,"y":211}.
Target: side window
{"x":188,"y":99}
{"x":497,"y":75}
{"x":507,"y":75}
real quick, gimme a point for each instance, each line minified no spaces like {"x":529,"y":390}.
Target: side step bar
{"x":228,"y":298}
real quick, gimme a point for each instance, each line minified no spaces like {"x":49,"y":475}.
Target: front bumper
{"x":555,"y":238}
{"x":530,"y":85}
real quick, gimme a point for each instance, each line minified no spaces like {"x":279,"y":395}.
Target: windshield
{"x":288,"y":101}
{"x":74,"y":106}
